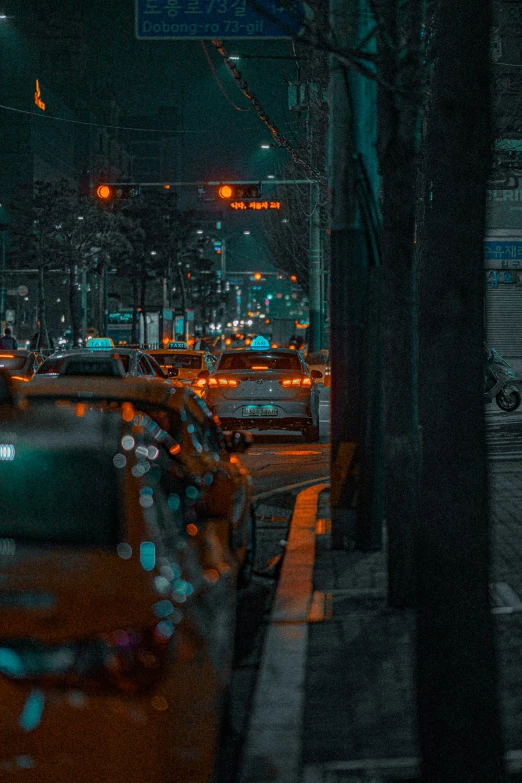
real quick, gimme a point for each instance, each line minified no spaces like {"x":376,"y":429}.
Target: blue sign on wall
{"x":503,"y":250}
{"x":217,"y":19}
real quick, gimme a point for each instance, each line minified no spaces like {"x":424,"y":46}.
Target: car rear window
{"x":51,"y":365}
{"x":179,"y":360}
{"x":12,"y":362}
{"x":54,"y":364}
{"x":67,"y":497}
{"x":253,"y":359}
{"x":92,"y":366}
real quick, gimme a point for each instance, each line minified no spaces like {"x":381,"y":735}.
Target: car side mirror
{"x":203,"y":374}
{"x":238,"y":442}
{"x":316,"y":374}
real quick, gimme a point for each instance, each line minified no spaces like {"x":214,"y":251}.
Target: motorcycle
{"x":499,"y":382}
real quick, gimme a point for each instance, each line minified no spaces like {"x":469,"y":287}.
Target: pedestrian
{"x":8,"y":341}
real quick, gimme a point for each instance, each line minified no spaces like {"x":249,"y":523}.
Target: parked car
{"x":264,"y":388}
{"x":20,"y":364}
{"x":320,"y":361}
{"x":117,"y":594}
{"x":184,"y":364}
{"x":198,"y":446}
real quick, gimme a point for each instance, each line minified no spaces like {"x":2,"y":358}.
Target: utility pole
{"x":3,"y":230}
{"x":84,"y":305}
{"x":357,"y":481}
{"x":314,"y":278}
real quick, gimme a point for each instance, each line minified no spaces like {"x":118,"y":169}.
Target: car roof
{"x":235,"y":351}
{"x":177,"y":351}
{"x":149,"y":391}
{"x":87,"y":352}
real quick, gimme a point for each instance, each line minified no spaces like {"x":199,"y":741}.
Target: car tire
{"x":311,"y":433}
{"x":247,"y":569}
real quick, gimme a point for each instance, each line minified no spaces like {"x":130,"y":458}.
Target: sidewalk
{"x":335,"y":696}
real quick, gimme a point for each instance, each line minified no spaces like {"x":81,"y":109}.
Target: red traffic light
{"x":108,"y":192}
{"x":239,"y":191}
{"x":103,"y":191}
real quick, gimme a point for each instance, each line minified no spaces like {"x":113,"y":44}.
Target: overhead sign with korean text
{"x":240,"y":205}
{"x":218,"y":19}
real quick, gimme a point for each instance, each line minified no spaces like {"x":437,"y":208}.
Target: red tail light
{"x":296,"y":382}
{"x":222,"y":382}
{"x":127,"y":661}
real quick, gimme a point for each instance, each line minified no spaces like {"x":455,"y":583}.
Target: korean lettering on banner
{"x":508,"y":253}
{"x":494,"y":278}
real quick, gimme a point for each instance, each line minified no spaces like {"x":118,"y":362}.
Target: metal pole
{"x":84,"y":305}
{"x":2,"y":283}
{"x":105,"y":298}
{"x":314,"y":270}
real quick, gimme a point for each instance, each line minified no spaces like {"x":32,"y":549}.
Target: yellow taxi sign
{"x":100,"y":344}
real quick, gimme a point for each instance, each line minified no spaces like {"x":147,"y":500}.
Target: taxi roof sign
{"x":100,"y":344}
{"x":178,"y":346}
{"x":260,"y":343}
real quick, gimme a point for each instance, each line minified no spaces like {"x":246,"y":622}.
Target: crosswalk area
{"x":503,"y":434}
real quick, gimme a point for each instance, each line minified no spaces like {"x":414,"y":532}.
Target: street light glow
{"x":246,"y":233}
{"x":265,"y":146}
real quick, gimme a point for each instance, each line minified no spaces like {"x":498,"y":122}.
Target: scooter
{"x":499,"y":382}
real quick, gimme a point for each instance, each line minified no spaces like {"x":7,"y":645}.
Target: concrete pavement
{"x":335,"y":697}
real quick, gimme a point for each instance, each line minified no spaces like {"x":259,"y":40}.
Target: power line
{"x":98,"y":124}
{"x":216,"y":77}
{"x":279,"y":138}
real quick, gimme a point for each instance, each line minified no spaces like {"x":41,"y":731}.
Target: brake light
{"x":19,"y":378}
{"x":127,"y":661}
{"x":296,"y":382}
{"x":223,"y":382}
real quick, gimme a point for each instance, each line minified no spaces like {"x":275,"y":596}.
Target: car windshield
{"x":251,"y":360}
{"x":12,"y":362}
{"x":181,"y":361}
{"x":58,"y":504}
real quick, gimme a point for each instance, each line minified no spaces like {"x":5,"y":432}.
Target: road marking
{"x":262,"y":452}
{"x":287,"y":487}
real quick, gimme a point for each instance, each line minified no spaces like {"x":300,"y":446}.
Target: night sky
{"x":219,"y":142}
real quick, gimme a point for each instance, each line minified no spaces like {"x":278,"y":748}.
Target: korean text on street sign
{"x":218,"y":19}
{"x":255,"y":205}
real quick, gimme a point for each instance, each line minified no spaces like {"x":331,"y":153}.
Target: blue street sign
{"x":218,"y":19}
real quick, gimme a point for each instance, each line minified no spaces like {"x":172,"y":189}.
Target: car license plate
{"x":260,"y":411}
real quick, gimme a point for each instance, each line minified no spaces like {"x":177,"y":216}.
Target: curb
{"x":272,"y":751}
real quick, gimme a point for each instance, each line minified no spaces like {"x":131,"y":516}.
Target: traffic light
{"x":112,"y":192}
{"x":228,"y":192}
